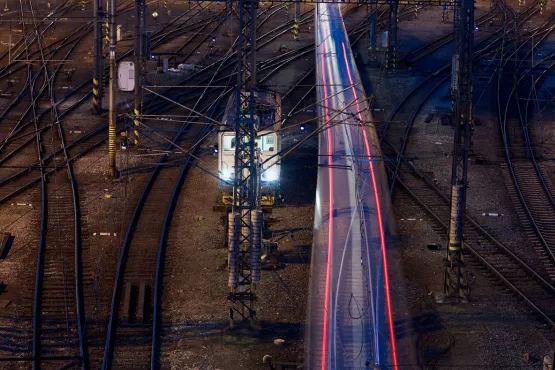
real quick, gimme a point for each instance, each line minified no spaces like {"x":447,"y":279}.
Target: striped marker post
{"x":136,"y":125}
{"x":107,"y":32}
{"x":96,"y":96}
{"x":296,"y":31}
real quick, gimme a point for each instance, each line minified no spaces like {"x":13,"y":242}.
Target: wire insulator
{"x":234,"y":223}
{"x":256,"y":246}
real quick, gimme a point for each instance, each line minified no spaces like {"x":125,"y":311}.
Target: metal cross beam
{"x":448,"y":3}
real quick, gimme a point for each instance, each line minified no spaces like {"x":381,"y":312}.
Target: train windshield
{"x":266,"y":143}
{"x":229,"y":143}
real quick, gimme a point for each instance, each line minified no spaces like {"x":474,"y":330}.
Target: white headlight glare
{"x":226,"y":174}
{"x":271,"y":174}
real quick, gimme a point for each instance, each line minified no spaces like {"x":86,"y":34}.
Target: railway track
{"x":57,"y":328}
{"x":522,"y":279}
{"x":135,"y":316}
{"x":530,"y":191}
{"x":427,"y":49}
{"x":58,"y":317}
{"x":58,"y":320}
{"x":20,"y":179}
{"x":481,"y":246}
{"x":395,"y":133}
{"x":82,"y":92}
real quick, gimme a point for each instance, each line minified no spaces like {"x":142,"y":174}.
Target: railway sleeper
{"x":136,"y":303}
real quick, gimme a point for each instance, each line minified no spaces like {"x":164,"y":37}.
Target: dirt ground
{"x":196,"y":314}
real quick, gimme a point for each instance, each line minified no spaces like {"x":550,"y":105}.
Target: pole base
{"x":443,"y":298}
{"x":250,"y":328}
{"x":98,"y":111}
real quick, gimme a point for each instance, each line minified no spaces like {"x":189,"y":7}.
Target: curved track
{"x":523,"y":280}
{"x":527,"y":185}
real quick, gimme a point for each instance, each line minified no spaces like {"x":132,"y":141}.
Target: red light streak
{"x":380,"y":223}
{"x":325,"y":334}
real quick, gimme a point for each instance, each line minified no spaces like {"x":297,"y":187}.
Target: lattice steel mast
{"x":140,"y":20}
{"x":391,"y":53}
{"x":372,"y":29}
{"x":112,"y":94}
{"x":454,"y":283}
{"x":245,"y":220}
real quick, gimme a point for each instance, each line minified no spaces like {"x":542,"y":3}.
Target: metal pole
{"x":454,"y":281}
{"x":112,"y":113}
{"x":245,"y":188}
{"x":372,"y":30}
{"x":391,"y":56}
{"x":98,"y":62}
{"x":457,"y":9}
{"x":297,"y":24}
{"x":138,"y":69}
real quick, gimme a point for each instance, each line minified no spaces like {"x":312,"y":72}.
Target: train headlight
{"x":270,"y":174}
{"x":226,"y":174}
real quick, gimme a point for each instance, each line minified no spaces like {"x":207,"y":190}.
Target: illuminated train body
{"x":350,"y":323}
{"x":268,"y":142}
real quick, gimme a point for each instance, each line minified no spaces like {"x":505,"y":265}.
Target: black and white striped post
{"x":98,"y":61}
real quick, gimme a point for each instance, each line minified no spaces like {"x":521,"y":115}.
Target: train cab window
{"x":268,"y":143}
{"x":229,"y":143}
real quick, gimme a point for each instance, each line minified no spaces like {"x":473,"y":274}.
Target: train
{"x":354,"y":261}
{"x":268,"y":143}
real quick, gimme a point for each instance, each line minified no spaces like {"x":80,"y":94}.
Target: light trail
{"x":325,"y":334}
{"x":389,"y":309}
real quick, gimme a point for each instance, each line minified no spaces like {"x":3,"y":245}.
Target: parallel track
{"x":524,"y":280}
{"x":529,"y":189}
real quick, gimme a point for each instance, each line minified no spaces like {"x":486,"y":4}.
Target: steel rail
{"x":71,"y":108}
{"x":113,"y":317}
{"x":100,"y":128}
{"x":425,"y":50}
{"x":58,"y":8}
{"x":79,"y":297}
{"x":529,"y":270}
{"x":400,"y":153}
{"x":503,"y":118}
{"x":15,"y":130}
{"x":529,"y":144}
{"x":160,"y":261}
{"x":37,"y":315}
{"x":489,"y":264}
{"x":16,"y":100}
